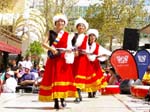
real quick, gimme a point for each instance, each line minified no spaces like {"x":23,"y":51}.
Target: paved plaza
{"x":27,"y":102}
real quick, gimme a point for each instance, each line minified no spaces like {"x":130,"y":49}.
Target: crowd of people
{"x":21,"y":74}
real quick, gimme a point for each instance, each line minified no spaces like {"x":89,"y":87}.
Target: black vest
{"x":52,"y":37}
{"x":74,"y":39}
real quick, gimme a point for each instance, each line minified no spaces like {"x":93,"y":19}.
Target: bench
{"x":24,"y":89}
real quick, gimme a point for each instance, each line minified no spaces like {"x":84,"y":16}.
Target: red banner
{"x":124,"y":64}
{"x":9,"y":48}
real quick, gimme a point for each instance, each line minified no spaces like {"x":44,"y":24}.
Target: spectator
{"x":3,"y":77}
{"x":106,"y":74}
{"x":15,"y":68}
{"x":28,"y":78}
{"x":35,"y":70}
{"x":10,"y":84}
{"x":27,"y":61}
{"x":146,"y":77}
{"x":2,"y":68}
{"x":39,"y":79}
{"x":114,"y":78}
{"x":21,"y":63}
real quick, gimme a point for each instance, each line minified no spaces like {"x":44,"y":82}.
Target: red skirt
{"x":87,"y":78}
{"x":58,"y":80}
{"x":99,"y":74}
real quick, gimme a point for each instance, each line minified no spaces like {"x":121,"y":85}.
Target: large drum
{"x":141,"y":91}
{"x":133,"y":90}
{"x":111,"y":89}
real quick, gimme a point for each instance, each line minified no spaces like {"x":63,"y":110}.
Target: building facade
{"x":10,"y":44}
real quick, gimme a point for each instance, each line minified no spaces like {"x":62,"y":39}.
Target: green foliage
{"x":112,"y":16}
{"x":53,"y":7}
{"x":35,"y":48}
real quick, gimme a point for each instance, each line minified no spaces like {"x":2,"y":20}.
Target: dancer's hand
{"x":76,"y":53}
{"x":54,"y":52}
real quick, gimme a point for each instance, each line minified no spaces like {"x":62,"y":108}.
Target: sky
{"x":87,"y":2}
{"x":147,"y":2}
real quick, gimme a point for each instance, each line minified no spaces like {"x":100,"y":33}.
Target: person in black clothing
{"x":15,"y":68}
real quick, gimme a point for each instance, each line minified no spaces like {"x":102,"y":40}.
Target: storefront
{"x":9,"y":44}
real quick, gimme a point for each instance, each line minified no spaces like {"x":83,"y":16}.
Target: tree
{"x":35,"y":48}
{"x":53,"y":7}
{"x":6,"y":5}
{"x":112,"y":16}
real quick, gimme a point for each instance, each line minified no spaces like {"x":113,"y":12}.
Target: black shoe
{"x":77,"y":100}
{"x":63,"y":103}
{"x":80,"y":98}
{"x":89,"y":95}
{"x":56,"y":105}
{"x":94,"y":94}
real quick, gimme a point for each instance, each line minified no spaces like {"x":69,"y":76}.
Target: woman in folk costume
{"x":81,"y":63}
{"x":58,"y":80}
{"x":94,"y":54}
